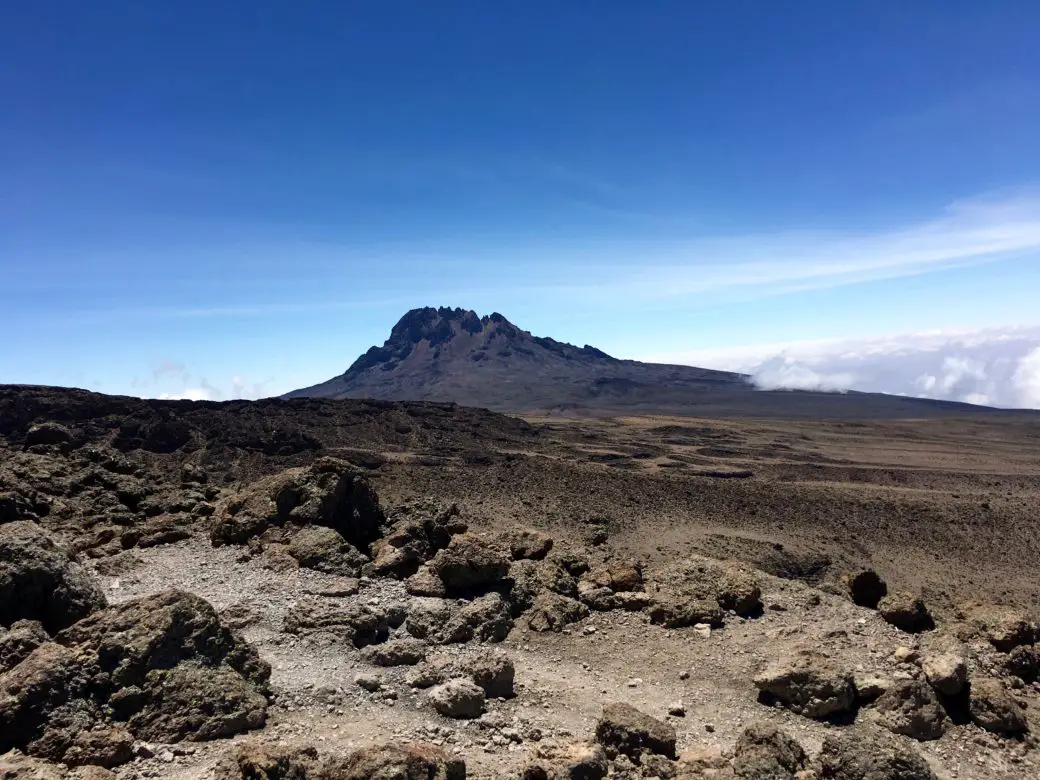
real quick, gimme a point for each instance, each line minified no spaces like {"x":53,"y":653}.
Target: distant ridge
{"x":456,"y":355}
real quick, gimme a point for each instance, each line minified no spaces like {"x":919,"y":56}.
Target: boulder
{"x":910,"y":708}
{"x":487,"y":619}
{"x":417,"y":532}
{"x":329,"y":492}
{"x":530,"y":545}
{"x":15,"y":765}
{"x":357,"y":623}
{"x":866,"y":588}
{"x":323,"y":549}
{"x":470,"y":564}
{"x":273,"y":762}
{"x":992,"y":708}
{"x":1003,"y":627}
{"x":164,"y":667}
{"x":415,"y":761}
{"x":625,"y":730}
{"x":396,"y":652}
{"x":673,"y":608}
{"x":764,"y":752}
{"x":18,"y":642}
{"x":40,"y":581}
{"x":553,"y":612}
{"x":48,"y":434}
{"x":426,"y":617}
{"x":458,"y":698}
{"x":528,"y":578}
{"x":1024,"y":662}
{"x":401,"y":762}
{"x":947,"y":672}
{"x":738,"y":590}
{"x":425,"y":583}
{"x":809,"y":686}
{"x":906,"y":612}
{"x":857,"y":754}
{"x":492,"y":670}
{"x":619,"y":577}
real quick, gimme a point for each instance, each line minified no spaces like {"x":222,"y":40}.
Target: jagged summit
{"x":457,"y":355}
{"x":481,"y":337}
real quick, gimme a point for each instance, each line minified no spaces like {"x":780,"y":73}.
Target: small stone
{"x":677,"y":709}
{"x":369,"y":682}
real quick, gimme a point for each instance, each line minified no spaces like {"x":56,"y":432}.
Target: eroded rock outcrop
{"x":161,"y":668}
{"x":40,"y":581}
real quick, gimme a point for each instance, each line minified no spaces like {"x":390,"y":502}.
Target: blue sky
{"x":236,"y":199}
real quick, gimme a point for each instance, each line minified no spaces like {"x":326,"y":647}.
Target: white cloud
{"x":234,"y":388}
{"x":1027,"y":379}
{"x":993,"y":367}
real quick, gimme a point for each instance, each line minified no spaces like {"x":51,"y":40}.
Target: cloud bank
{"x":993,"y":367}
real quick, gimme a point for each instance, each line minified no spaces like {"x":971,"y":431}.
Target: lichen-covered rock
{"x":857,"y":754}
{"x":40,"y":581}
{"x":809,"y":686}
{"x":329,"y":493}
{"x":910,"y":708}
{"x":164,"y":667}
{"x":764,"y":752}
{"x":993,"y":708}
{"x":628,"y":731}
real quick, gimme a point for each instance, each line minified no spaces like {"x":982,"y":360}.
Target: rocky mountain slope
{"x":458,"y":356}
{"x":319,"y":589}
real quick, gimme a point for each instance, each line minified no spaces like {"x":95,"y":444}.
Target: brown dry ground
{"x":951,"y":506}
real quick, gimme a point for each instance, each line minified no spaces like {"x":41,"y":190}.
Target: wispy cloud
{"x":994,"y":367}
{"x":969,"y":232}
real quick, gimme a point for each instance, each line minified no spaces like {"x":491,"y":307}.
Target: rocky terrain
{"x":457,"y":355}
{"x":367,"y":589}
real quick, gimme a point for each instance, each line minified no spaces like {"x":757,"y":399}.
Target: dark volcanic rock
{"x":40,"y":581}
{"x":18,"y":642}
{"x":906,"y":612}
{"x":764,"y":752}
{"x":323,"y":549}
{"x":911,"y":708}
{"x":860,"y":755}
{"x":163,"y":667}
{"x":627,"y":730}
{"x":470,"y":564}
{"x":328,"y":493}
